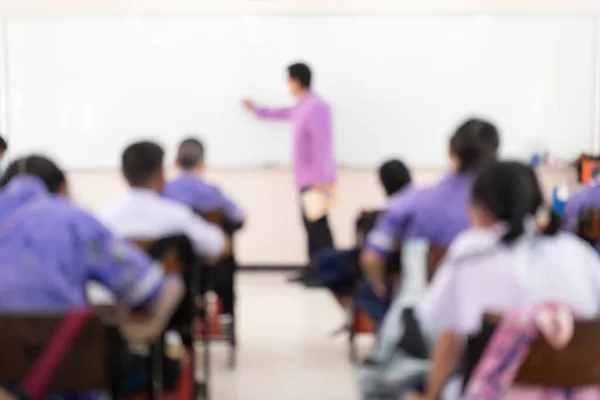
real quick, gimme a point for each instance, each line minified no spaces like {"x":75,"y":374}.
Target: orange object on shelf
{"x":589,"y":167}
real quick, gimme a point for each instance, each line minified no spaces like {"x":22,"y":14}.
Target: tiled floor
{"x":285,"y":350}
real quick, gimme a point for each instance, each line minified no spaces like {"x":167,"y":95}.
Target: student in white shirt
{"x":504,"y":262}
{"x":143,"y":214}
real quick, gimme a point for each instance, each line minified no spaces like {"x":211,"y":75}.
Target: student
{"x":394,"y":176}
{"x":191,"y":188}
{"x":501,"y":263}
{"x":436,"y":213}
{"x":50,"y":249}
{"x":336,"y":269}
{"x":142,"y":213}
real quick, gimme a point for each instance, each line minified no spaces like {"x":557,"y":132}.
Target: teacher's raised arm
{"x":313,"y":159}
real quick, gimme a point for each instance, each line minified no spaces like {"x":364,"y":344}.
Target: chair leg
{"x":351,"y":338}
{"x":206,"y":339}
{"x":231,"y":363}
{"x":155,"y":371}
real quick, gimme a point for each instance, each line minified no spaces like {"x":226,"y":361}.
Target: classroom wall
{"x":274,"y":234}
{"x":228,"y":6}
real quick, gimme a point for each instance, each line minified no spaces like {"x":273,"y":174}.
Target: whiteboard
{"x":82,"y":88}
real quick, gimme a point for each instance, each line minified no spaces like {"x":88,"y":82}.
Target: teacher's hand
{"x":248,"y":104}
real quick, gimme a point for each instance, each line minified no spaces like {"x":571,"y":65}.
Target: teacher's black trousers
{"x":318,"y":234}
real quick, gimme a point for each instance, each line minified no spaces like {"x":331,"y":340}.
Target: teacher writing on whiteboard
{"x":313,"y":161}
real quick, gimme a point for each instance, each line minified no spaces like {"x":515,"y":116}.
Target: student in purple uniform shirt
{"x":50,"y":249}
{"x":337,"y":269}
{"x":313,"y":161}
{"x":437,"y":213}
{"x":192,"y":189}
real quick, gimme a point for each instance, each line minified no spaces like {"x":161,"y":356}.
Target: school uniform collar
{"x":27,"y":184}
{"x":142,"y":192}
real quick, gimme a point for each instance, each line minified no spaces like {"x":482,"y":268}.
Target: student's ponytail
{"x":516,"y":227}
{"x":554,"y":224}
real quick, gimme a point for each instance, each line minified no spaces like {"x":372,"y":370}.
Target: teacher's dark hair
{"x":394,"y":176}
{"x":39,"y":166}
{"x":510,"y":192}
{"x":300,"y":72}
{"x":475,"y":144}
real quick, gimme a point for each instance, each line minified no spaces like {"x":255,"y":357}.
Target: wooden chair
{"x":577,"y":365}
{"x":588,"y":225}
{"x":225,"y":269}
{"x":177,"y":256}
{"x":435,"y":256}
{"x":93,"y":363}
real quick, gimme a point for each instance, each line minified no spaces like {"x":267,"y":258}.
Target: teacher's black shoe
{"x":299,"y":277}
{"x":311,"y":282}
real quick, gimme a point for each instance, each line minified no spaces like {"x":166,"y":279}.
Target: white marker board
{"x":81,"y":88}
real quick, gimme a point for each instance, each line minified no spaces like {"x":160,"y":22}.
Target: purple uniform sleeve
{"x":284,"y":113}
{"x":134,"y":278}
{"x":394,"y":224}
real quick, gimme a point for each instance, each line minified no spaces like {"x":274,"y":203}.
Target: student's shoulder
{"x":567,"y":244}
{"x":63,"y":210}
{"x":171,"y":208}
{"x":472,"y":244}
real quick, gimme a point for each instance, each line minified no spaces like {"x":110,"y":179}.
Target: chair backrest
{"x":177,"y":256}
{"x":588,"y":225}
{"x":435,"y":255}
{"x":219,"y":217}
{"x":88,"y":366}
{"x":578,"y":364}
{"x":364,"y":224}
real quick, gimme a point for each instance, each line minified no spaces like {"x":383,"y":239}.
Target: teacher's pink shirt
{"x":313,"y":139}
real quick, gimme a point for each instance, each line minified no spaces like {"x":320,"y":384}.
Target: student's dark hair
{"x":300,"y":72}
{"x":190,"y":153}
{"x":141,"y":162}
{"x":394,"y":175}
{"x":39,"y":166}
{"x":475,"y":143}
{"x":511,"y":192}
{"x":3,"y":144}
